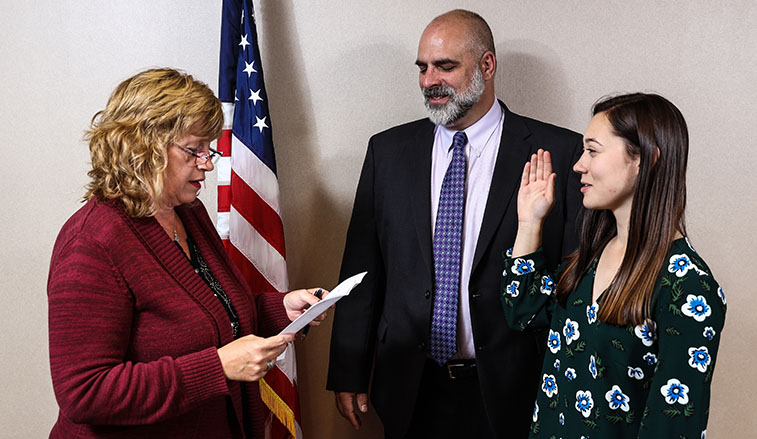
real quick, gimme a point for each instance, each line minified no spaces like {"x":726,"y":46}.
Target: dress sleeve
{"x":90,"y":325}
{"x":527,"y":291}
{"x":689,"y":315}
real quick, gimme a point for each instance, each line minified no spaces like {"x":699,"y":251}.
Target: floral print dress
{"x":605,"y":381}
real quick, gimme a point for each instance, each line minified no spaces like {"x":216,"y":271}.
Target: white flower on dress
{"x":570,"y":374}
{"x":709,"y":332}
{"x":617,"y":399}
{"x":675,"y":392}
{"x":584,"y":402}
{"x":650,"y":358}
{"x":522,"y":266}
{"x":549,"y":385}
{"x":591,"y":312}
{"x":547,"y":285}
{"x":561,"y":418}
{"x":535,"y":417}
{"x":509,"y":252}
{"x":696,"y":307}
{"x":721,"y":293}
{"x":635,"y":372}
{"x":699,"y":358}
{"x":557,"y":364}
{"x":553,"y":341}
{"x":680,"y":265}
{"x":512,"y":289}
{"x":646,"y":332}
{"x":704,"y":434}
{"x":570,"y":331}
{"x":593,"y":367}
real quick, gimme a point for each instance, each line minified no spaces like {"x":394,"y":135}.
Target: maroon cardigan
{"x":134,"y":330}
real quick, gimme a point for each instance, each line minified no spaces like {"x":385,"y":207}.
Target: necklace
{"x":175,"y":235}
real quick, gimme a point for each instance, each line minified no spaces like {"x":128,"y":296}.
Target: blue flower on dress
{"x":584,"y":402}
{"x":570,"y":374}
{"x":675,"y":392}
{"x":699,"y":358}
{"x":557,"y":364}
{"x":709,"y":333}
{"x":650,"y":358}
{"x":593,"y":367}
{"x":696,"y":307}
{"x":635,"y":372}
{"x":522,"y":266}
{"x":570,"y":331}
{"x":549,"y":385}
{"x":680,"y":265}
{"x":561,"y":418}
{"x":689,"y":243}
{"x":535,"y":417}
{"x":721,"y":293}
{"x":512,"y":289}
{"x":591,"y":312}
{"x":553,"y":341}
{"x":646,"y":332}
{"x":617,"y":399}
{"x":547,"y":285}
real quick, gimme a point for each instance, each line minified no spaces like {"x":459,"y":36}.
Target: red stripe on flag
{"x":258,"y":213}
{"x":224,"y":143}
{"x":224,"y":197}
{"x":258,"y":284}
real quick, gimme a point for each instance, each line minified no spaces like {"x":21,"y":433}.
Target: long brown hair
{"x":650,"y":125}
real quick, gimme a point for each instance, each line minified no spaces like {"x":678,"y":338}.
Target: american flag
{"x":249,"y":217}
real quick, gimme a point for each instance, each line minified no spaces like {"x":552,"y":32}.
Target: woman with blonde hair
{"x":634,"y":315}
{"x":153,"y":331}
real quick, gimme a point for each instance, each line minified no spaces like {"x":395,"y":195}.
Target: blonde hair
{"x":128,"y":140}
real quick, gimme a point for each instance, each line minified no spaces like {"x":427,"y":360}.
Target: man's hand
{"x":345,"y":403}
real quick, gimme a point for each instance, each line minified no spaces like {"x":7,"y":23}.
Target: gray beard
{"x":458,"y":104}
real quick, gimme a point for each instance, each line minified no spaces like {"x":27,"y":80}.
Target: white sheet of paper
{"x":341,"y":290}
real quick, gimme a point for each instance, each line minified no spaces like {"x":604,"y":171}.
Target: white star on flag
{"x":249,"y":68}
{"x":260,"y":123}
{"x":254,"y":97}
{"x":244,"y":43}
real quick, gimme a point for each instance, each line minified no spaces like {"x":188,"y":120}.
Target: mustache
{"x":439,"y":90}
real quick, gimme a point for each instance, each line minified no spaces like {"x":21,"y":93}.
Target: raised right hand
{"x":247,"y":358}
{"x":345,"y":403}
{"x":537,"y":189}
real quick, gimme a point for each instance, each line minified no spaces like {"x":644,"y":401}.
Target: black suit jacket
{"x":385,"y":321}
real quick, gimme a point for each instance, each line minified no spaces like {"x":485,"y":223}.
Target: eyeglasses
{"x":213,"y":155}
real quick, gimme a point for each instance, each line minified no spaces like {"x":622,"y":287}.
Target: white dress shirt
{"x":481,"y":155}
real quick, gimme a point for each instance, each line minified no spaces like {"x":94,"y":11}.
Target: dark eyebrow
{"x":592,"y":140}
{"x":437,"y":62}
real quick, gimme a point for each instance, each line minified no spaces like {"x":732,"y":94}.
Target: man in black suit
{"x":487,"y":388}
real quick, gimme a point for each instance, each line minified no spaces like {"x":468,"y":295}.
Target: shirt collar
{"x":480,"y":132}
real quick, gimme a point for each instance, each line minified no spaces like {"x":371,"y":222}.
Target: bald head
{"x":478,"y":34}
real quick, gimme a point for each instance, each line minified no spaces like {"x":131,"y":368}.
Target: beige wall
{"x":336,"y":73}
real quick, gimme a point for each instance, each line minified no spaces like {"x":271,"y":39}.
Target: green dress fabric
{"x":605,"y":381}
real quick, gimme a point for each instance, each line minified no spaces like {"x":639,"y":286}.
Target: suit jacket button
{"x":427,"y":294}
{"x":421,"y":346}
{"x":476,"y":295}
{"x":480,"y":348}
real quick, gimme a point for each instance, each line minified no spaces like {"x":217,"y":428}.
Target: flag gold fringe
{"x":278,"y":407}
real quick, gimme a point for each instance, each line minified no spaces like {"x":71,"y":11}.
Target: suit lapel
{"x":513,"y":152}
{"x":418,"y":152}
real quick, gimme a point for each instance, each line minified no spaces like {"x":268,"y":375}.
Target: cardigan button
{"x":427,"y":294}
{"x":197,"y":270}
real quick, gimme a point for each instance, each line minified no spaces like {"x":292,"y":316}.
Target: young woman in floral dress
{"x":634,"y":315}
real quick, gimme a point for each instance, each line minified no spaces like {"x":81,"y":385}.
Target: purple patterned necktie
{"x":448,"y":233}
